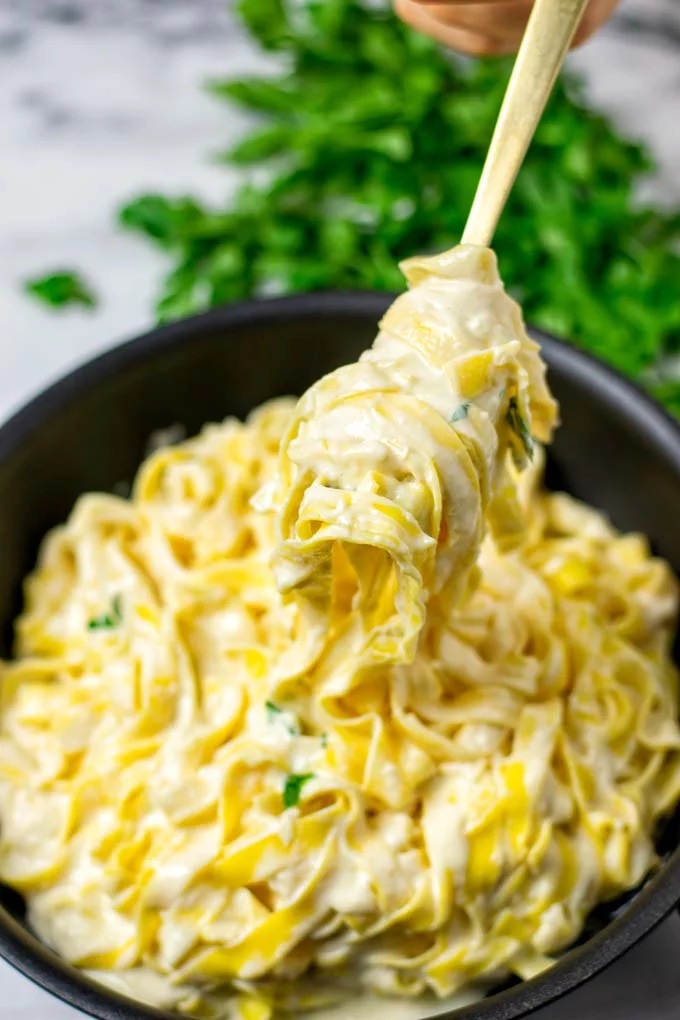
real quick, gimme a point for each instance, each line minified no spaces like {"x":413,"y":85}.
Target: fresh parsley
{"x":61,"y":289}
{"x":293,"y":787}
{"x":275,"y":713}
{"x":461,"y":412}
{"x":108,"y":621}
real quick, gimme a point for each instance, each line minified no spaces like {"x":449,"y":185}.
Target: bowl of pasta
{"x":357,"y":705}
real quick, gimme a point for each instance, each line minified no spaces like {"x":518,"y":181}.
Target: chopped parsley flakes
{"x":61,"y":290}
{"x":274,"y":714}
{"x":461,"y":412}
{"x":107,"y":621}
{"x":293,"y":787}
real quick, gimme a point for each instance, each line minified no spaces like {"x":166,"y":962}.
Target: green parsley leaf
{"x":61,"y":290}
{"x":108,"y":621}
{"x":461,"y":412}
{"x":258,"y":148}
{"x":273,"y":711}
{"x":266,"y":20}
{"x":287,"y":718}
{"x":293,"y":788}
{"x":166,"y":221}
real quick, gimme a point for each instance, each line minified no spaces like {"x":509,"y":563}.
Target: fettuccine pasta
{"x":291,"y":723}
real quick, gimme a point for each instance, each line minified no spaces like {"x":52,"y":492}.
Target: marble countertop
{"x":100,"y":99}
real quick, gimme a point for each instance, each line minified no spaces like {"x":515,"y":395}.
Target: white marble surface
{"x":100,"y":99}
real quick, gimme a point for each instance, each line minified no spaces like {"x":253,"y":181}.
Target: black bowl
{"x":616,"y":449}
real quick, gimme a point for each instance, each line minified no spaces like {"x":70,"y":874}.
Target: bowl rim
{"x":661,"y":893}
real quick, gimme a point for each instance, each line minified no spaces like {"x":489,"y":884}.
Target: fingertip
{"x":463,"y":40}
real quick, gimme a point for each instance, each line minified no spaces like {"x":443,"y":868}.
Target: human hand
{"x":482,"y":27}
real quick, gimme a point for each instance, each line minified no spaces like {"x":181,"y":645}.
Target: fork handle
{"x":546,"y":41}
